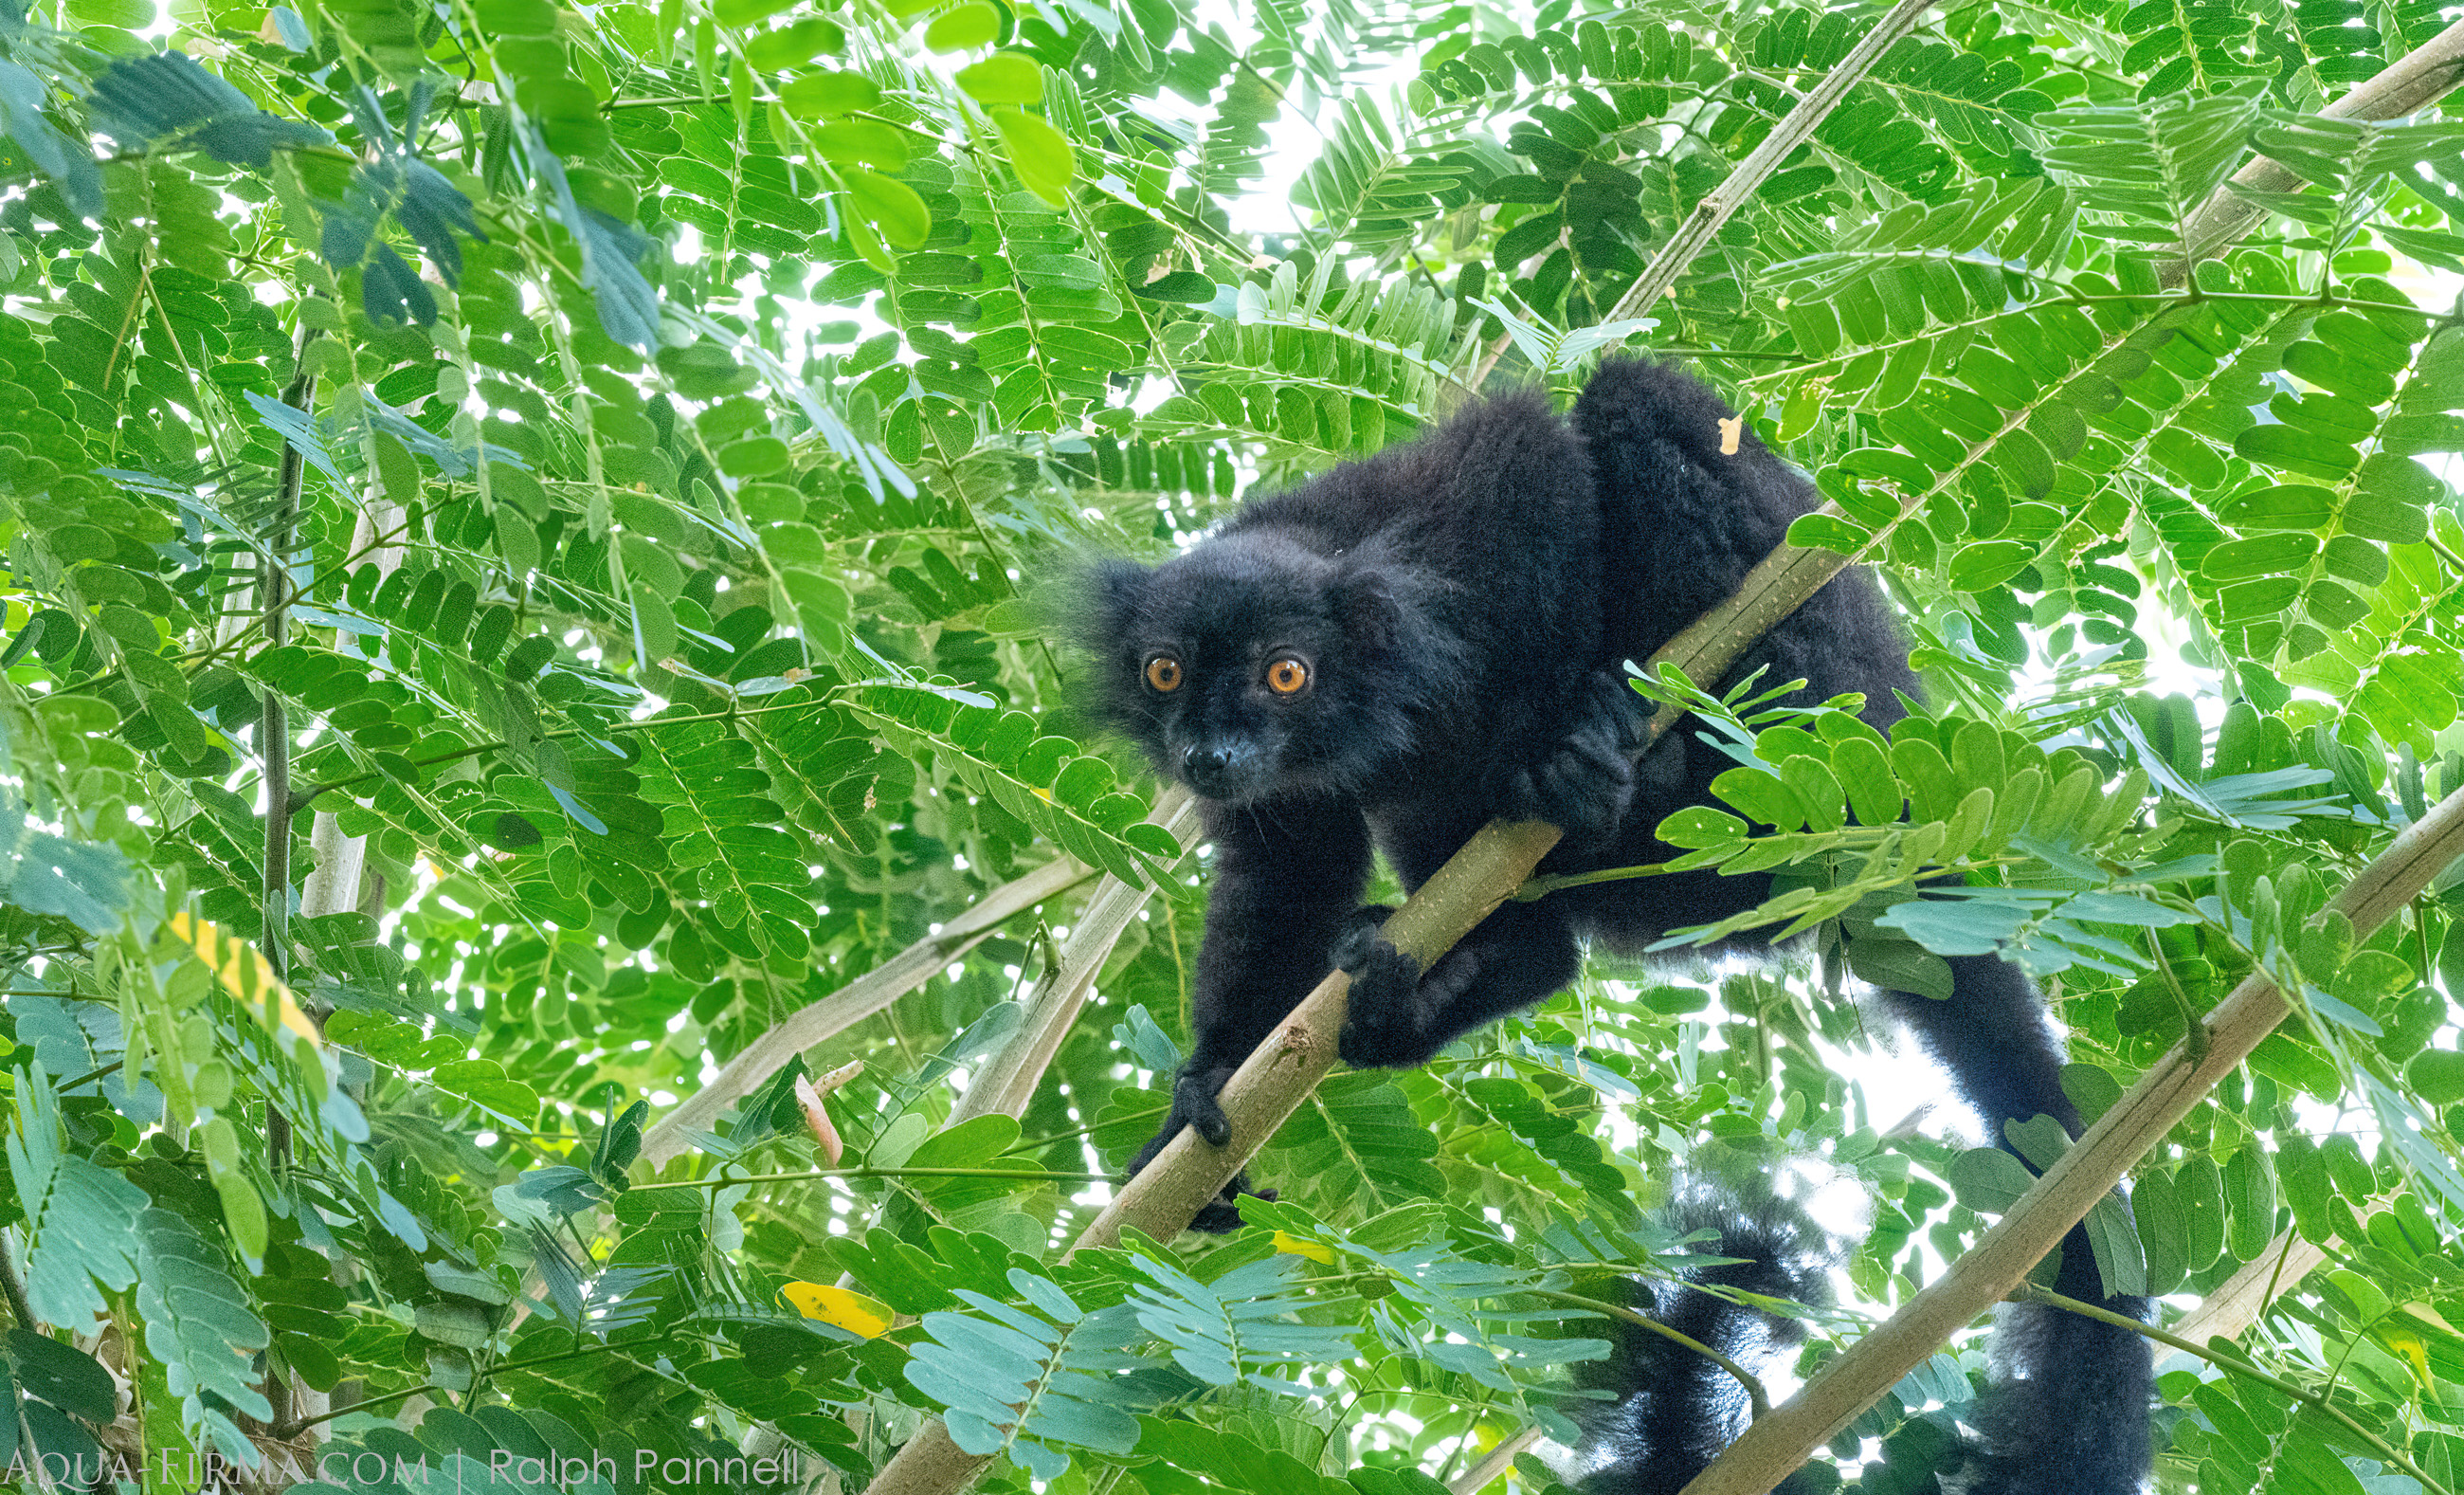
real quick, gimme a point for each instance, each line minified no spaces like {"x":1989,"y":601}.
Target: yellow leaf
{"x":841,"y":1308}
{"x":2409,"y":1347}
{"x":243,"y":970}
{"x":1292,"y":1245}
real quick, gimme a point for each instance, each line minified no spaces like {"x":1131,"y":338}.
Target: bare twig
{"x":1493,"y":1463}
{"x":1750,"y":174}
{"x":333,"y":885}
{"x":1006,"y":1080}
{"x":2238,"y":1301}
{"x":853,"y":1002}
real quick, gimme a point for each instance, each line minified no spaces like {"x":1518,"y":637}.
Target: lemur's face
{"x":1251,"y":668}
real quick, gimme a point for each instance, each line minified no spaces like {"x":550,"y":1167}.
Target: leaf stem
{"x":287,"y":1431}
{"x":2030,"y":1292}
{"x":1014,"y":1175}
{"x":303,"y":797}
{"x":1755,"y":1393}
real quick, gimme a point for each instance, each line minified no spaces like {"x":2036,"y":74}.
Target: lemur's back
{"x":1681,"y":523}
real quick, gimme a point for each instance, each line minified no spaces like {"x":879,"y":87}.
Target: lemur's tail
{"x":1675,"y":1409}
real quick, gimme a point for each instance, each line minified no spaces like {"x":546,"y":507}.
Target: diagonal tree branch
{"x":1798,"y":127}
{"x":2419,"y":79}
{"x":1720,"y":204}
{"x":853,"y":1002}
{"x":2238,"y":1302}
{"x":1013,"y":1072}
{"x":1776,"y":1446}
{"x":1162,"y":1199}
{"x":1007,"y":1081}
{"x":1271,"y":1084}
{"x":1274,"y":1080}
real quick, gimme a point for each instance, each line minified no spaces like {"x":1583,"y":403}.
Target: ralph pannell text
{"x":502,"y":1469}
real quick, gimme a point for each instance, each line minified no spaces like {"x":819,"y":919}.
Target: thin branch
{"x":808,"y":1175}
{"x":274,"y":752}
{"x":1007,"y":1081}
{"x":1771,"y":1449}
{"x":2030,"y":1292}
{"x":1750,"y":174}
{"x":2419,"y":78}
{"x":91,"y":1075}
{"x":853,"y":1002}
{"x":287,"y":1431}
{"x":1759,"y":1398}
{"x":302,"y":799}
{"x":2235,"y":1304}
{"x":274,"y":736}
{"x":1494,"y":1463}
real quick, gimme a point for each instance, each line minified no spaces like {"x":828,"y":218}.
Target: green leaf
{"x":1988,"y":1179}
{"x":2157,"y":1207}
{"x":981,"y":1370}
{"x":793,"y":46}
{"x":199,"y":1325}
{"x":1760,"y":796}
{"x":1988,"y":562}
{"x":824,"y":96}
{"x":81,"y":1217}
{"x":1699,"y":826}
{"x":2270,"y":555}
{"x":891,"y":204}
{"x":756,"y":457}
{"x":2250,"y":1191}
{"x":1900,"y":965}
{"x":61,"y":1374}
{"x":861,"y":141}
{"x":2286,"y":506}
{"x":2437,"y":1075}
{"x":1006,"y":77}
{"x":1041,"y":153}
{"x":974,"y":24}
{"x":746,"y":13}
{"x":1828,"y":533}
{"x":2113,"y":1238}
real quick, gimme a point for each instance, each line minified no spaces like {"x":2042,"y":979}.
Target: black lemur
{"x":1401,"y":649}
{"x":1671,"y":1411}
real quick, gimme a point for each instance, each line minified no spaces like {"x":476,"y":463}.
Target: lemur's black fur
{"x":1403,"y":649}
{"x":1673,"y":1411}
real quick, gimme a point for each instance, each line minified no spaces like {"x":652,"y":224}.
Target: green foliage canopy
{"x":529,"y":535}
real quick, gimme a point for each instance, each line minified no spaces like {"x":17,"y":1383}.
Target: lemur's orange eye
{"x":1285,"y":677}
{"x":1163,"y":673}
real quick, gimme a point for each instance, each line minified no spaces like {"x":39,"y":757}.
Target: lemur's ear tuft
{"x":1382,"y":604}
{"x":1104,"y":597}
{"x":1368,"y":607}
